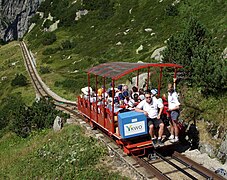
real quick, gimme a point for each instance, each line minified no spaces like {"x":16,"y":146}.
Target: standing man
{"x":173,"y":108}
{"x":152,"y":108}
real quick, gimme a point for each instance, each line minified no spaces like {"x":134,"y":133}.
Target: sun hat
{"x":85,"y":90}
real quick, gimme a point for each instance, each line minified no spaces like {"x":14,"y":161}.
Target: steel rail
{"x":208,"y":174}
{"x":151,"y":169}
{"x":176,"y":166}
{"x":31,"y":72}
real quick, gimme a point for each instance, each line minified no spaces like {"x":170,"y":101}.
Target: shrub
{"x":67,"y":44}
{"x":47,"y":23}
{"x":24,"y":119}
{"x":44,"y":70}
{"x":49,"y":38}
{"x":45,"y":7}
{"x":21,"y":124}
{"x":35,"y":18}
{"x":49,"y":51}
{"x":19,"y":80}
{"x":73,"y":84}
{"x":16,"y":115}
{"x":105,"y":8}
{"x":44,"y":113}
{"x":171,"y":10}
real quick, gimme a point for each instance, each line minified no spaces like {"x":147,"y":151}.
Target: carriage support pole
{"x":89,"y":95}
{"x":160,"y":82}
{"x":113,"y":94}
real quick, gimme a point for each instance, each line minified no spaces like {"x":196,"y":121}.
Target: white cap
{"x":142,"y":97}
{"x":154,"y":91}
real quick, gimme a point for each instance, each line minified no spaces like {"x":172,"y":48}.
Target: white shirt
{"x":173,"y":100}
{"x":151,"y":108}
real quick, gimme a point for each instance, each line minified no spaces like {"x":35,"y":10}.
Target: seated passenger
{"x":100,"y":92}
{"x":134,"y":101}
{"x":125,"y":91}
{"x":126,"y":101}
{"x":134,"y":91}
{"x":85,"y":94}
{"x":150,"y":107}
{"x":112,"y":99}
{"x":120,"y":95}
{"x":141,"y":94}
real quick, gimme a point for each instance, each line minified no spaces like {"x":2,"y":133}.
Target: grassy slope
{"x":96,"y":39}
{"x":67,"y":154}
{"x":9,"y":54}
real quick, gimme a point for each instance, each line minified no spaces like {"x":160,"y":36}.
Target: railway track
{"x":152,"y":166}
{"x":176,"y":166}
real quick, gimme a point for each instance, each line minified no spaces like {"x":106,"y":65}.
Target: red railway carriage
{"x":127,"y":127}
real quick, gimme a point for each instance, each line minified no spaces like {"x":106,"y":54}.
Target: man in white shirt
{"x":152,"y":108}
{"x":173,"y":108}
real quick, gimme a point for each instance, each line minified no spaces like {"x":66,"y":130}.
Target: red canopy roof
{"x":116,"y":70}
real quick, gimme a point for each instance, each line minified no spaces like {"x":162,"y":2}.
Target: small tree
{"x":195,"y":49}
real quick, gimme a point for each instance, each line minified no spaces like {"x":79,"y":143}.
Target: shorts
{"x":156,"y":122}
{"x":174,"y":115}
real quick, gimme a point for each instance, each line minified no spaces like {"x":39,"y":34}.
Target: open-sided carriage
{"x":127,"y":127}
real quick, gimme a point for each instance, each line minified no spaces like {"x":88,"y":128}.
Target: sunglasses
{"x":148,"y":97}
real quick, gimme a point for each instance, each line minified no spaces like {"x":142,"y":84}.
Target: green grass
{"x":67,"y":154}
{"x":11,"y":53}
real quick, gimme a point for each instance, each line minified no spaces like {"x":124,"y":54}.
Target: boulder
{"x":222,"y":152}
{"x":157,"y":54}
{"x":57,"y":124}
{"x":224,"y":53}
{"x":208,"y":149}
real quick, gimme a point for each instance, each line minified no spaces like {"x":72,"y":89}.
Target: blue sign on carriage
{"x":132,"y":124}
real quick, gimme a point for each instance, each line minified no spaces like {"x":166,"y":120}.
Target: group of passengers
{"x":149,"y":104}
{"x":153,"y":108}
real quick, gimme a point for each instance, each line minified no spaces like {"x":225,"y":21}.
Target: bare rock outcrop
{"x":14,"y":17}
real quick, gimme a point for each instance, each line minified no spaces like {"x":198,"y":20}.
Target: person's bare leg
{"x":151,"y":130}
{"x":161,"y":129}
{"x":171,"y":130}
{"x":176,"y":130}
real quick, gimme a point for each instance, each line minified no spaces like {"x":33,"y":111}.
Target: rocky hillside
{"x":14,"y":17}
